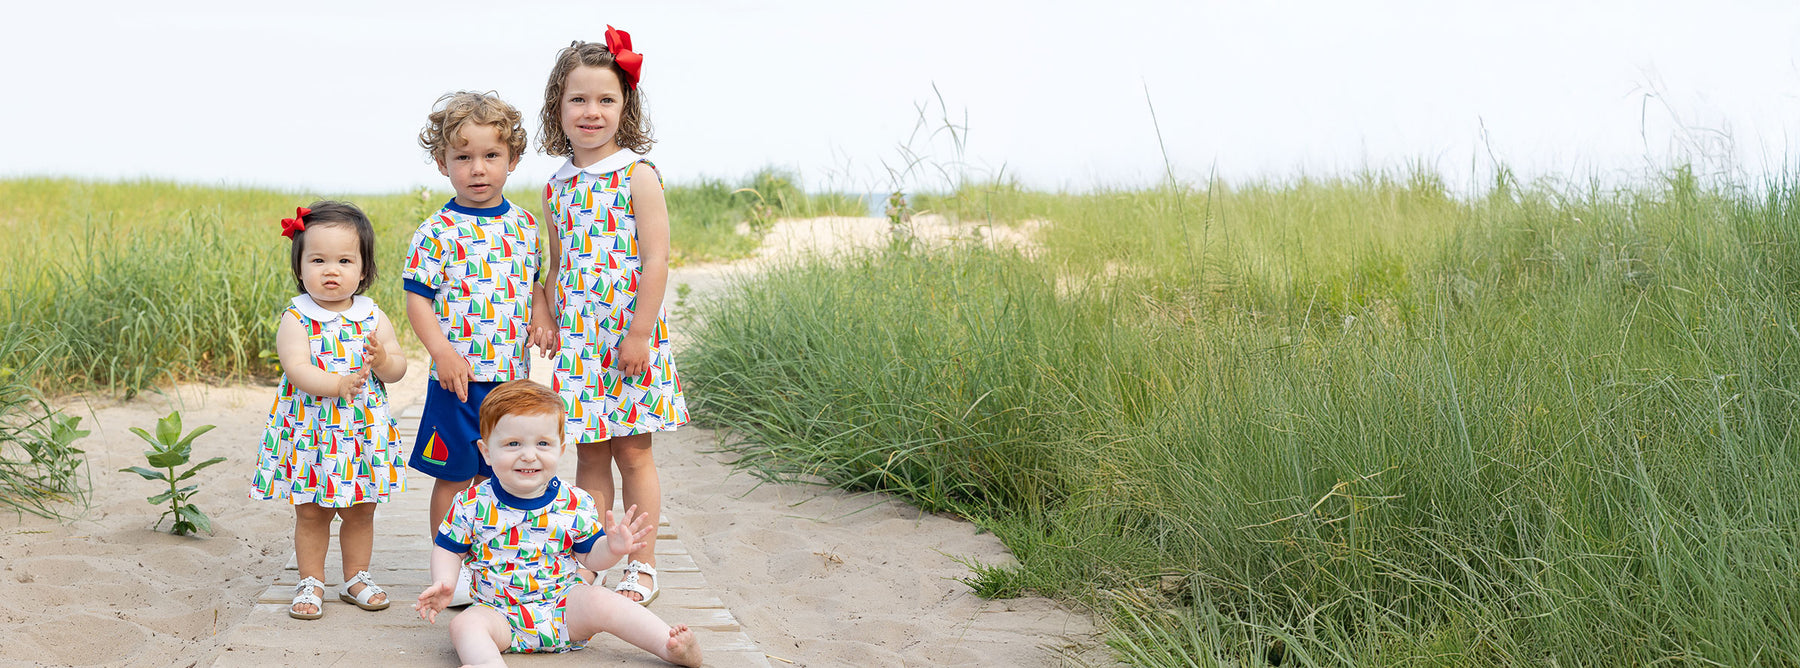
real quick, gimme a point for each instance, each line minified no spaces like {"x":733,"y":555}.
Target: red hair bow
{"x":619,"y":43}
{"x":289,"y":226}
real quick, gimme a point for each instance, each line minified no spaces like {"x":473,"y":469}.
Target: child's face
{"x":592,"y":102}
{"x":522,"y":449}
{"x":331,"y":266}
{"x":477,"y":163}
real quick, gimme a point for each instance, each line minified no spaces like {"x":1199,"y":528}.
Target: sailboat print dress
{"x":597,"y":282}
{"x":331,"y":451}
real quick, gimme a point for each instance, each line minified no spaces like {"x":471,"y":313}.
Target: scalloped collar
{"x":360,"y":307}
{"x":620,"y":159}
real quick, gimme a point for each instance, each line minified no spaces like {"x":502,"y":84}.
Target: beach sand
{"x":815,"y":576}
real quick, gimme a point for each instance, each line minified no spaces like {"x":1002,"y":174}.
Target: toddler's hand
{"x":433,"y":601}
{"x":453,"y":374}
{"x":634,"y":355}
{"x":373,"y":354}
{"x":630,"y":533}
{"x":351,"y":384}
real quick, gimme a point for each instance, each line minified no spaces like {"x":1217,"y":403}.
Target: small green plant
{"x":169,"y":450}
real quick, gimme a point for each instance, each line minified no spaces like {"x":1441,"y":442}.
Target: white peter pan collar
{"x":620,"y":159}
{"x":360,"y":307}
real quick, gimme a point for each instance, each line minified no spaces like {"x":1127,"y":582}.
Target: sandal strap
{"x":369,"y":590}
{"x":636,"y":567}
{"x":303,"y":592}
{"x":631,"y":585}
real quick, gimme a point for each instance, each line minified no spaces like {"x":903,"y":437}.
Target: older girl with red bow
{"x":331,"y":448}
{"x":610,"y":261}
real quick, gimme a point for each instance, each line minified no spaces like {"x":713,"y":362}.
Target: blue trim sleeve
{"x":421,"y":289}
{"x":447,"y":543}
{"x":587,"y":546}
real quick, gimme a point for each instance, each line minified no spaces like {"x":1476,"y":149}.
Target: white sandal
{"x":303,"y":593}
{"x":630,"y":582}
{"x":361,"y":598}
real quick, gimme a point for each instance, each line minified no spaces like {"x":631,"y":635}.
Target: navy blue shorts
{"x":447,"y":433}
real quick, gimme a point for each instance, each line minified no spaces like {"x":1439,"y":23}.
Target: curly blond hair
{"x":634,"y":124}
{"x":455,"y":110}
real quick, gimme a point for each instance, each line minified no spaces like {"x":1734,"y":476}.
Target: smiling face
{"x":331,"y":265}
{"x":477,"y":162}
{"x":522,"y":449}
{"x":592,"y":102}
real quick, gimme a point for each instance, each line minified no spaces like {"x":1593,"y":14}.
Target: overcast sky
{"x":328,"y":97}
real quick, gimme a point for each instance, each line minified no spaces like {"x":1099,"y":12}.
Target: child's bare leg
{"x":640,"y":487}
{"x":356,"y":540}
{"x":593,"y":610}
{"x":593,"y":474}
{"x":478,"y":634}
{"x":442,"y":493}
{"x":312,"y":536}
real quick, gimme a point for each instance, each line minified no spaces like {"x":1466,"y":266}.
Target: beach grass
{"x":40,"y":467}
{"x":120,"y":286}
{"x":1346,"y":421}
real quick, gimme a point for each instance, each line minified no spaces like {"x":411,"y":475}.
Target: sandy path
{"x":815,"y":576}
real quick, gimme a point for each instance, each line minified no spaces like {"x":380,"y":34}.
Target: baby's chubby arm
{"x":383,"y":351}
{"x":297,"y":363}
{"x":444,"y":567}
{"x":623,"y":536}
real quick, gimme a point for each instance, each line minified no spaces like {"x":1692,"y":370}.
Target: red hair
{"x":519,"y":397}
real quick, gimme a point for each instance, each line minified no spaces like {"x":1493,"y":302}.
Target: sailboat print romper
{"x":597,"y":283}
{"x":331,"y":451}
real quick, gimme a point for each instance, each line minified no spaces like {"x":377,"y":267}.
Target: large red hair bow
{"x":289,"y":226}
{"x":619,"y":43}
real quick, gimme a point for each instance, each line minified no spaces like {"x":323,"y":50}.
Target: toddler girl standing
{"x":331,"y":448}
{"x":610,"y":257}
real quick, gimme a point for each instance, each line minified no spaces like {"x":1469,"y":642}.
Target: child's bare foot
{"x":683,"y":649}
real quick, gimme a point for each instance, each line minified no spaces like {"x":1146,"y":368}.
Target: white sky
{"x":328,"y":97}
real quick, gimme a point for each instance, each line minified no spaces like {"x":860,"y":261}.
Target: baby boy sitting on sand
{"x":522,"y":533}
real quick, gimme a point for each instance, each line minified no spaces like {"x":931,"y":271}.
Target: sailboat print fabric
{"x":596,"y":292}
{"x":521,"y":552}
{"x":476,"y":267}
{"x":331,"y":451}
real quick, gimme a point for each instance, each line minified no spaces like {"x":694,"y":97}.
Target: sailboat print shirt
{"x":477,"y":266}
{"x":520,"y":551}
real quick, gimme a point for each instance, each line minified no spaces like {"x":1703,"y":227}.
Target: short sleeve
{"x":586,"y":529}
{"x":457,"y":530}
{"x":425,"y":261}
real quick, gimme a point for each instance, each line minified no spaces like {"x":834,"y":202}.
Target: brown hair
{"x":455,"y":110}
{"x":634,"y":125}
{"x":519,"y":397}
{"x":326,"y":213}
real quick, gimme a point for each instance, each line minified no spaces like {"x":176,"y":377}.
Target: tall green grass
{"x":40,"y":469}
{"x":1327,"y":422}
{"x":120,"y":286}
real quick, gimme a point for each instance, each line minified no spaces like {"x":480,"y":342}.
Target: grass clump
{"x":1326,"y":422}
{"x":40,"y":467}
